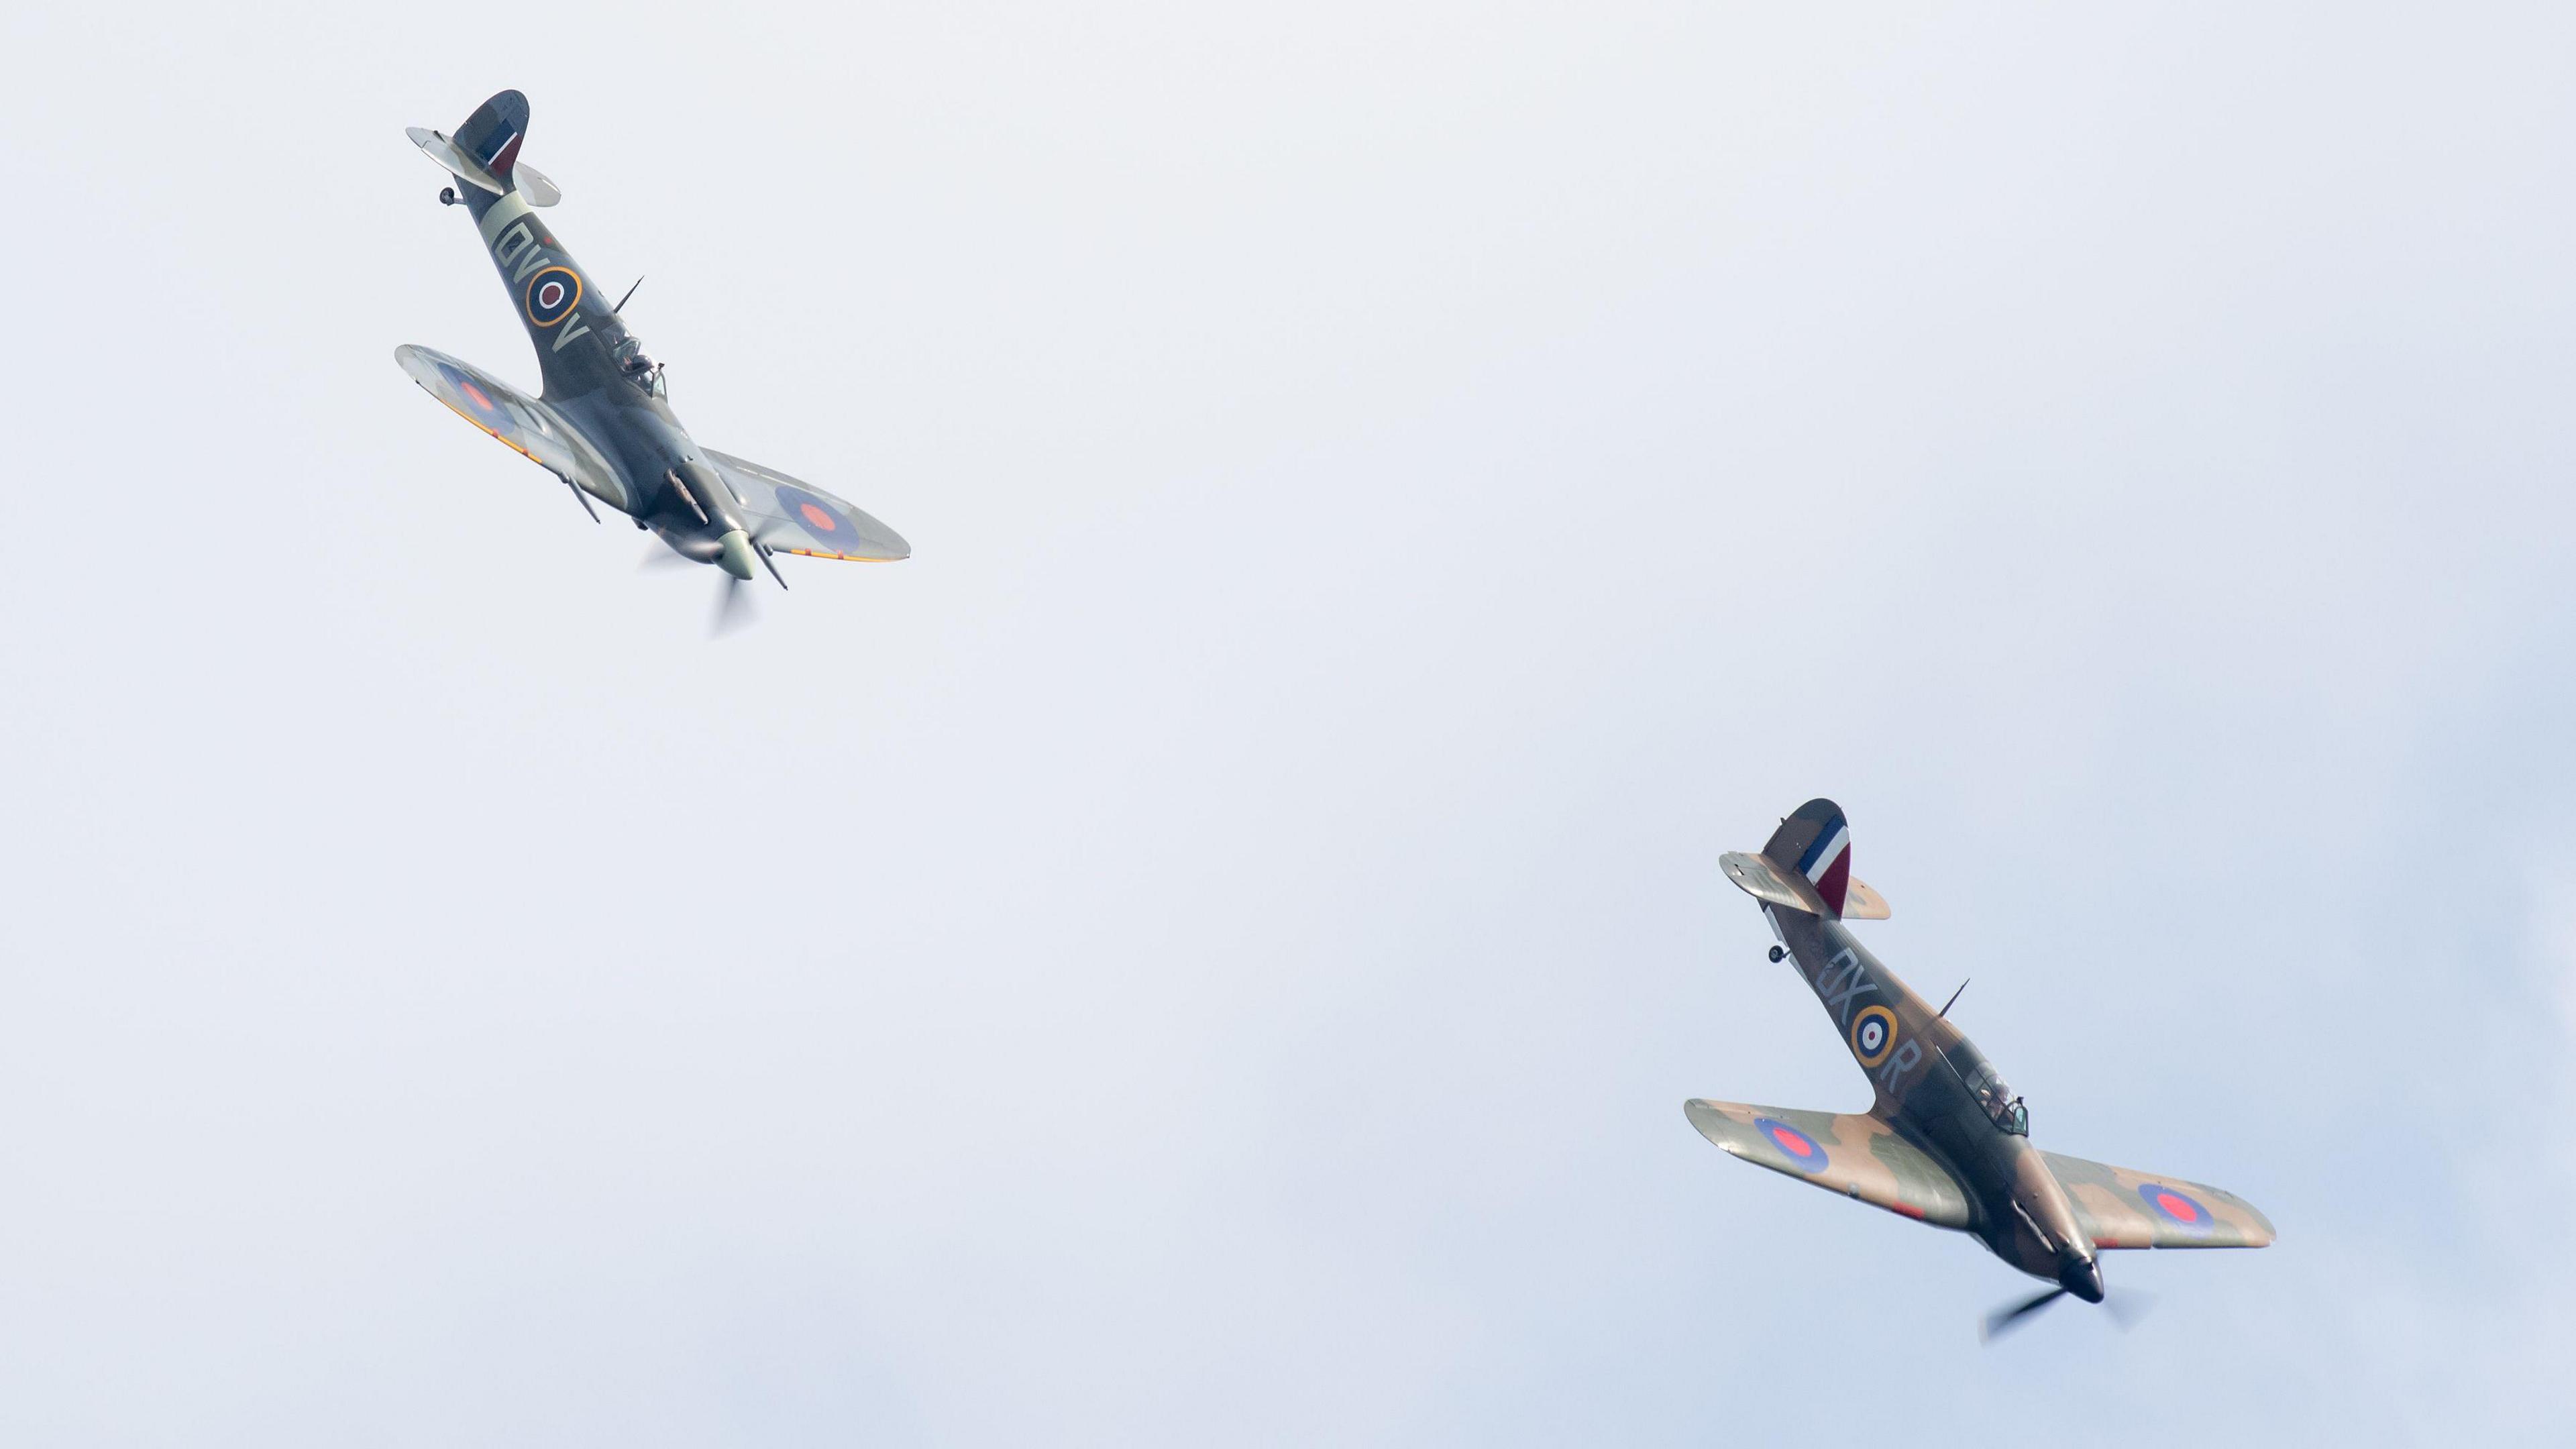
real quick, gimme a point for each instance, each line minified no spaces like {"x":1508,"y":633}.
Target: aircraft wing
{"x":1856,"y":1155}
{"x":792,"y":517}
{"x":527,"y":426}
{"x":2123,"y":1208}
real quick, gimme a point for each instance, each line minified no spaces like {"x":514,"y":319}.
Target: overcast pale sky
{"x":1213,"y":950}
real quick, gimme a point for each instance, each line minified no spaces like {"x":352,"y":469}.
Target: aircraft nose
{"x":2083,"y":1278}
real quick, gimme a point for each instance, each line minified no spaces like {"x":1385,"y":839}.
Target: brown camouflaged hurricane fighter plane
{"x":604,"y":423}
{"x":1945,"y":1142}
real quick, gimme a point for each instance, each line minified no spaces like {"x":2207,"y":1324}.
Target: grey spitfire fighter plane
{"x":1945,"y":1142}
{"x":604,"y":423}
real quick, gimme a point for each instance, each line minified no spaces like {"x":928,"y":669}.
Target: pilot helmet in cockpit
{"x":637,"y":366}
{"x":1997,"y":1100}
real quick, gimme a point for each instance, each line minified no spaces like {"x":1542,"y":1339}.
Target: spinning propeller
{"x":2127,"y":1307}
{"x":734,"y":610}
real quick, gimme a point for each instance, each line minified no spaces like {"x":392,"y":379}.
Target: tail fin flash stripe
{"x":1813,"y":841}
{"x":491,"y":136}
{"x":1834,"y":882}
{"x":1821,"y":856}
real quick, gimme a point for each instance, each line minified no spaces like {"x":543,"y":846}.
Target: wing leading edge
{"x":1853,"y":1154}
{"x":2125,"y":1208}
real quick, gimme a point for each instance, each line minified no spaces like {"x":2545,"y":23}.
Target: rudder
{"x":491,"y":136}
{"x":1815,"y":841}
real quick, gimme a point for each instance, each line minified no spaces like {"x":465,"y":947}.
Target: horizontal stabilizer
{"x":2123,"y":1208}
{"x":1854,"y":1154}
{"x":1757,"y":876}
{"x":534,"y":186}
{"x":1863,"y":904}
{"x":446,"y":153}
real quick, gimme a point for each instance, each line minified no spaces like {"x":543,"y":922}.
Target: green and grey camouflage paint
{"x":604,"y":422}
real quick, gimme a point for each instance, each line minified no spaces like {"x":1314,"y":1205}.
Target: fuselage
{"x":598,"y":380}
{"x":1939,"y":1093}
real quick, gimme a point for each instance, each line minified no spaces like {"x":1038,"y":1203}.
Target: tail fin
{"x":491,"y":136}
{"x":1806,"y":866}
{"x":1815,"y":842}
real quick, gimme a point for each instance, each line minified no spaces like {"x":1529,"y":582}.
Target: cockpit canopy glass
{"x":1995,"y":1098}
{"x":638,"y":367}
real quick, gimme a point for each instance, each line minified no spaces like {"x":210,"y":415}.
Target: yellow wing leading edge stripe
{"x":487,"y":430}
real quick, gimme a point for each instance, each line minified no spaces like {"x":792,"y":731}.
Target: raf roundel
{"x":1802,"y":1150}
{"x":1873,"y":1035}
{"x":2175,"y":1206}
{"x":552,"y":294}
{"x":826,"y":524}
{"x":480,"y":407}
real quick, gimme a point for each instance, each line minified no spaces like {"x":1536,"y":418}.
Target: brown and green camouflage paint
{"x":1944,"y":1141}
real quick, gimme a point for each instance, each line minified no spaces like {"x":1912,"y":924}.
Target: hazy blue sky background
{"x":1213,"y":950}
